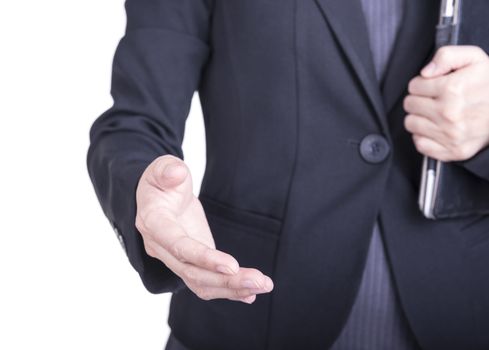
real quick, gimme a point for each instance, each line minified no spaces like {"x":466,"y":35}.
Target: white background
{"x":65,"y":282}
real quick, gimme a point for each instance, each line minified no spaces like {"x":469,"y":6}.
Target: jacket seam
{"x":238,"y":102}
{"x":294,"y":166}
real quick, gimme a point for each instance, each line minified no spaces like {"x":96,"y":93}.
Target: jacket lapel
{"x":348,"y":24}
{"x":414,"y":45}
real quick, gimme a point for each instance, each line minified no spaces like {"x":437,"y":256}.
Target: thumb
{"x":170,"y":172}
{"x":451,"y":58}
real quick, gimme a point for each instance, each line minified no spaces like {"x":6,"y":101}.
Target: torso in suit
{"x":304,"y":152}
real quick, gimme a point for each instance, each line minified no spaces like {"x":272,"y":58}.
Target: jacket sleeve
{"x":155,"y":71}
{"x":478,"y":164}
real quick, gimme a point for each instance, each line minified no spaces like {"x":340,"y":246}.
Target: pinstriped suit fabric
{"x":383,"y":19}
{"x":376,"y":321}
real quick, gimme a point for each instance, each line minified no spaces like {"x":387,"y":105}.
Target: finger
{"x":170,"y":236}
{"x":246,"y":278}
{"x":423,"y":127}
{"x":191,"y":274}
{"x":154,"y":250}
{"x":422,"y":106}
{"x":254,"y":279}
{"x":188,"y":250}
{"x":431,"y":148}
{"x":450,"y":58}
{"x":209,"y":285}
{"x":249,"y":300}
{"x":169,"y":172}
{"x":225,"y":293}
{"x":424,"y":87}
{"x":249,"y":278}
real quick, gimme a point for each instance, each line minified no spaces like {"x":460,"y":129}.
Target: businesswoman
{"x":306,"y":233}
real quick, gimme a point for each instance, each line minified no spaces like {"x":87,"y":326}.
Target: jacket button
{"x":374,"y":148}
{"x":120,"y":239}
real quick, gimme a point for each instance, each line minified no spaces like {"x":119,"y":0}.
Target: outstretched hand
{"x":175,"y":230}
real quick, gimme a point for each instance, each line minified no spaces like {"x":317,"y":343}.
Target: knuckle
{"x":449,"y":112}
{"x":419,"y":144}
{"x":139,"y":223}
{"x":407,"y":103}
{"x":197,"y":279}
{"x":206,"y":256}
{"x":419,"y":148}
{"x":443,"y":55}
{"x":412,"y":85}
{"x":240,"y":293}
{"x":454,"y":88}
{"x":176,"y":249}
{"x":190,"y":275}
{"x":145,"y":219}
{"x":204,"y":294}
{"x":227,"y":283}
{"x":149,"y":249}
{"x":408,"y":122}
{"x":454,"y":134}
{"x":461,"y":152}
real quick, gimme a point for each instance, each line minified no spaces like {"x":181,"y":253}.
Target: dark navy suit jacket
{"x":288,"y":93}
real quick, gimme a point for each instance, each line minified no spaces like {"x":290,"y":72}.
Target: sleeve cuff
{"x":478,"y":164}
{"x":156,"y":276}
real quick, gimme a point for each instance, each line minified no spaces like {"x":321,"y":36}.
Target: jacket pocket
{"x":253,"y":222}
{"x":252,"y":239}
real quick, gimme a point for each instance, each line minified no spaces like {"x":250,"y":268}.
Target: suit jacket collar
{"x":348,"y":24}
{"x":413,"y":46}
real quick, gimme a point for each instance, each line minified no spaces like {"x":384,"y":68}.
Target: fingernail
{"x":429,"y":69}
{"x":258,"y":290}
{"x":225,"y":269}
{"x":250,"y":284}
